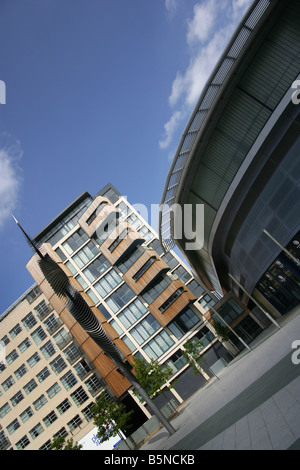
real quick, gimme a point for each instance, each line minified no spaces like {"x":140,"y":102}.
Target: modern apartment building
{"x":149,"y":304}
{"x":239,"y":158}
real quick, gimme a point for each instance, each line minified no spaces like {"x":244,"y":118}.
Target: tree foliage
{"x":110,"y":417}
{"x":59,"y":443}
{"x":152,"y":376}
{"x":191,"y":352}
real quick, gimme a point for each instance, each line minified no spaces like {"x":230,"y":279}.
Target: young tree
{"x":110,"y":417}
{"x":191,"y":352}
{"x":152,"y":376}
{"x":59,"y":443}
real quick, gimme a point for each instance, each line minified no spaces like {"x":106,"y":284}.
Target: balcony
{"x":120,"y":242}
{"x":175,"y":298}
{"x":99,"y":214}
{"x":144,"y":271}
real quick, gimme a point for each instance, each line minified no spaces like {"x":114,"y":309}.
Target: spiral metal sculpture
{"x":83,"y":314}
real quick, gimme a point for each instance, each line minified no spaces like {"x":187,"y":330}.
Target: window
{"x":206,"y":302}
{"x":145,"y":233}
{"x":5,"y":340}
{"x":24,"y":345}
{"x":195,"y":288}
{"x":11,"y":357}
{"x":82,"y":369}
{"x":145,"y":329}
{"x":120,"y":298}
{"x":15,"y":331}
{"x":132,"y":313}
{"x":79,"y":396}
{"x":4,"y":410}
{"x":53,"y":390}
{"x":29,"y":321}
{"x":158,"y":345}
{"x":33,"y":360}
{"x":28,"y":388}
{"x":62,"y":338}
{"x":13,"y":426}
{"x":69,"y":380}
{"x":93,"y":384}
{"x":50,"y":418}
{"x":4,"y":441}
{"x":171,"y":299}
{"x":72,"y":353}
{"x":41,"y":376}
{"x":170,"y":260}
{"x":22,"y":443}
{"x":58,"y":365}
{"x":96,"y":268}
{"x":41,"y":401}
{"x":181,"y":273}
{"x":61,"y":433}
{"x":36,"y":431}
{"x":108,"y":282}
{"x":144,"y":268}
{"x":9,"y":382}
{"x":95,"y":213}
{"x":48,"y":350}
{"x":123,"y":208}
{"x":75,"y":241}
{"x":156,"y":246}
{"x":34,"y":294}
{"x":130,"y":259}
{"x":15,"y":400}
{"x":118,"y":240}
{"x":64,"y":406}
{"x":22,"y":370}
{"x":26,"y":414}
{"x":134,"y":221}
{"x":230,"y":311}
{"x":52,"y":323}
{"x":87,"y":413}
{"x":85,"y":255}
{"x":38,"y":335}
{"x":183,"y":323}
{"x":104,"y":311}
{"x":75,"y":423}
{"x":156,"y":289}
{"x":42,"y":309}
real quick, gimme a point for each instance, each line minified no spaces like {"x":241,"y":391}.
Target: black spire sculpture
{"x":82,"y":313}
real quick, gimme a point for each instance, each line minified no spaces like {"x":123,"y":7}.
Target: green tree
{"x":221,"y":330}
{"x":191,"y":352}
{"x":110,"y":417}
{"x":152,"y":376}
{"x":59,"y":443}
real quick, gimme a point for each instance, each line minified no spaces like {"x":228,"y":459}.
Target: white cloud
{"x":202,"y":22}
{"x":170,"y":128}
{"x":10,"y":179}
{"x":171,"y":5}
{"x":208,"y":33}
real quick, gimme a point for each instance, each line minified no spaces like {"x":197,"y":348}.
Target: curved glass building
{"x":239,"y":157}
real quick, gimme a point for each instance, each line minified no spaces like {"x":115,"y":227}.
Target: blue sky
{"x":96,"y":91}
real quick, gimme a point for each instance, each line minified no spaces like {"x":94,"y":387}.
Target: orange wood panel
{"x":157,"y":268}
{"x":106,"y":215}
{"x":176,"y":307}
{"x":125,"y":243}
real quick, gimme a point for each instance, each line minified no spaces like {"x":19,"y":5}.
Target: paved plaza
{"x":255,"y":403}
